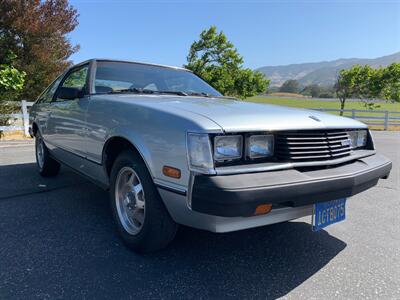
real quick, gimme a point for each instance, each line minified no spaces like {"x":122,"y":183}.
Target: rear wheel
{"x":47,"y":166}
{"x":139,"y":213}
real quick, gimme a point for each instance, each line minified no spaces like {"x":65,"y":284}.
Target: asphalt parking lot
{"x":57,"y":241}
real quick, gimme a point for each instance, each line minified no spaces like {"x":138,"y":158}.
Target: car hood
{"x":239,"y":116}
{"x":234,"y":115}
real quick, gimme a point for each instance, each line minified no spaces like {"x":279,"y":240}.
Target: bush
{"x":326,"y":95}
{"x":7,"y":108}
{"x":11,"y":79}
{"x":290,"y":86}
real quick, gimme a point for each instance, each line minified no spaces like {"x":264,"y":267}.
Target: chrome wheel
{"x":130,"y":201}
{"x":40,"y":152}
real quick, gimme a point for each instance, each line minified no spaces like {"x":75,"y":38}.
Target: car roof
{"x":129,"y":61}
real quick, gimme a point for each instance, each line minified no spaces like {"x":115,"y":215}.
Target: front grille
{"x":312,"y":145}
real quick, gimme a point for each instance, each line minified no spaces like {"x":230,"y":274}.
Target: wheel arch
{"x":35,"y":128}
{"x":114,"y":146}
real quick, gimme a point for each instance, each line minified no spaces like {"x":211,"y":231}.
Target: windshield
{"x":123,"y":76}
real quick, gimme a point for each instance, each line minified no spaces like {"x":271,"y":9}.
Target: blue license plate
{"x":327,"y":213}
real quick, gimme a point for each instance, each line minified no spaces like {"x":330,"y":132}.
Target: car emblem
{"x":314,"y":118}
{"x":346,"y":142}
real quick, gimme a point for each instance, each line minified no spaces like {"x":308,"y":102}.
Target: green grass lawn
{"x":310,"y":103}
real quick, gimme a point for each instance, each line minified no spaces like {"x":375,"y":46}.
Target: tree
{"x":361,"y":82}
{"x":366,"y":83}
{"x":214,"y":58}
{"x":11,"y":83}
{"x":390,"y":79}
{"x":36,"y":32}
{"x":344,"y":86}
{"x":290,"y":86}
{"x":11,"y":80}
{"x":313,"y":90}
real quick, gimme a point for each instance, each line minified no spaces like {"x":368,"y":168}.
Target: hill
{"x":323,"y":73}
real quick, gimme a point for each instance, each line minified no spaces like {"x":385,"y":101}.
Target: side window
{"x":42,"y":96}
{"x":151,"y":86}
{"x":48,"y":94}
{"x":75,"y":79}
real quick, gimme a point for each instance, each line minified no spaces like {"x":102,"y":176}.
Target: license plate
{"x":327,"y":213}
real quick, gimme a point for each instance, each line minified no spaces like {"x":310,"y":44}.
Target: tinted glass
{"x":48,"y":94}
{"x":112,"y":76}
{"x":77,"y":78}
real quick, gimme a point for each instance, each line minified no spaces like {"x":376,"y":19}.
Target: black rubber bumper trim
{"x":170,"y":189}
{"x":239,"y":195}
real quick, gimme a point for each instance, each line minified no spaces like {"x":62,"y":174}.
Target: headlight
{"x":228,"y":147}
{"x":199,"y":151}
{"x":358,"y":138}
{"x":260,"y":146}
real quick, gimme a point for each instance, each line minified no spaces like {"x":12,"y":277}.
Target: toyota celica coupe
{"x":171,"y":149}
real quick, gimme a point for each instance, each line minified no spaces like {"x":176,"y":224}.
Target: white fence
{"x":379,"y":118}
{"x":24,"y":116}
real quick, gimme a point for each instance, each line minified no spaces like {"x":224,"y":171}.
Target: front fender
{"x":136,"y":140}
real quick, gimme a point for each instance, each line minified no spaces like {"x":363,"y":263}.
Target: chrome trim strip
{"x":73,"y":153}
{"x":284,"y":166}
{"x":190,"y":189}
{"x":172,"y":190}
{"x":170,"y":187}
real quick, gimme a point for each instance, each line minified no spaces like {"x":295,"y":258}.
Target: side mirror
{"x":69,"y":93}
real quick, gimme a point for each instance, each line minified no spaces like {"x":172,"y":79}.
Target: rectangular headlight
{"x":358,"y":138}
{"x":199,"y":151}
{"x":260,"y":146}
{"x":228,"y":147}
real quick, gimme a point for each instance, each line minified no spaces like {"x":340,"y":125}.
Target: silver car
{"x":170,"y":149}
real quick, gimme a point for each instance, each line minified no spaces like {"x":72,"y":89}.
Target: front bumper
{"x":239,"y":195}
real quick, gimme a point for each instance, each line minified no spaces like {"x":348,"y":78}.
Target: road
{"x":57,"y":241}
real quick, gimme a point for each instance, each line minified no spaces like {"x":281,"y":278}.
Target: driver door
{"x":67,"y":123}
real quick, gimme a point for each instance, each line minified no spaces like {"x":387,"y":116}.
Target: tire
{"x":141,"y":218}
{"x":47,"y":166}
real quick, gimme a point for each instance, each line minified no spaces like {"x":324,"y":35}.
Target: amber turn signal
{"x":263,"y":209}
{"x":171,"y":172}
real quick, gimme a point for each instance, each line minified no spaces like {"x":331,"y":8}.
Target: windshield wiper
{"x":201,"y":94}
{"x":146,"y":91}
{"x":131,"y":90}
{"x":179,"y":93}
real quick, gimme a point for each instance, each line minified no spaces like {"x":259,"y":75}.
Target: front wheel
{"x":139,"y":213}
{"x":47,"y":166}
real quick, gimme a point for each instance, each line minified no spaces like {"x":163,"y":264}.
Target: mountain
{"x":323,"y":73}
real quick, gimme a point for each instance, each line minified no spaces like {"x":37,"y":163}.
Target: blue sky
{"x":264,"y":32}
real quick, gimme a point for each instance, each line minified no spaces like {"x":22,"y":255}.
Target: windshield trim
{"x":143,"y":63}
